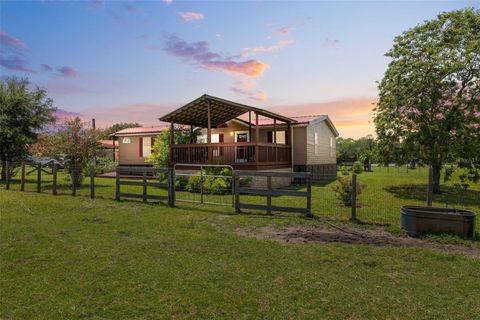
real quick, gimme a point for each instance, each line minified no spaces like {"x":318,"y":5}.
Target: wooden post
{"x":94,"y":159}
{"x":144,"y":181}
{"x":209,"y":133}
{"x":257,"y":136}
{"x":172,"y":141}
{"x":237,"y":193}
{"x":113,"y":155}
{"x":54,"y":182}
{"x":269,"y":195}
{"x":430,"y":187}
{"x":354,"y":197}
{"x":201,"y":184}
{"x":74,"y":181}
{"x":7,"y":175}
{"x":249,"y":126}
{"x":275,"y":138}
{"x":171,"y":187}
{"x":92,"y":183}
{"x":39,"y":177}
{"x":309,"y":195}
{"x":22,"y":178}
{"x":117,"y":184}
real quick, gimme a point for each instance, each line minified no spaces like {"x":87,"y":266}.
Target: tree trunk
{"x":436,"y":169}
{"x":4,"y":171}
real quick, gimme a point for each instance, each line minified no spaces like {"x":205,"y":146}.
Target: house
{"x":249,"y":138}
{"x":135,"y":144}
{"x":109,"y":149}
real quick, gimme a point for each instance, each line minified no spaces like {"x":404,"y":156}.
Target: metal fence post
{"x":39,"y":177}
{"x":201,"y":184}
{"x":309,"y":195}
{"x":92,"y":182}
{"x":7,"y":175}
{"x":237,"y":192}
{"x":354,"y":197}
{"x":54,"y":178}
{"x":430,"y":187}
{"x":22,"y":178}
{"x":117,"y":184}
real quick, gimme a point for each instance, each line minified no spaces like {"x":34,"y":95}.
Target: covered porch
{"x":245,"y":149}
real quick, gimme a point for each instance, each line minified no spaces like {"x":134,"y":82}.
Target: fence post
{"x":54,"y":182}
{"x":269,"y":195}
{"x":430,"y":187}
{"x":74,"y":182}
{"x":201,"y":184}
{"x":7,"y":175}
{"x":309,"y":195}
{"x":144,"y":182}
{"x":39,"y":177}
{"x":117,"y":184}
{"x":237,"y":193}
{"x":92,"y":182}
{"x":22,"y":178}
{"x":354,"y":197}
{"x":171,"y":187}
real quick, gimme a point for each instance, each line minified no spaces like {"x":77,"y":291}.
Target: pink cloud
{"x":199,"y":52}
{"x":271,"y":49}
{"x":10,"y":41}
{"x":190,"y":16}
{"x":16,"y":63}
{"x":67,"y":71}
{"x":285,"y":31}
{"x":167,"y":1}
{"x":245,"y":87}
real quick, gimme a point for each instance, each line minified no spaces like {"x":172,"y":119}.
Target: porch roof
{"x":195,"y":113}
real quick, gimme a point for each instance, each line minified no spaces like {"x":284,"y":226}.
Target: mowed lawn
{"x":74,"y":258}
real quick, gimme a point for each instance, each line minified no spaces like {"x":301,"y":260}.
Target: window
{"x":147,"y":147}
{"x":281,"y":137}
{"x":315,"y":142}
{"x":332,"y":147}
{"x":203,"y":138}
{"x":126,"y":140}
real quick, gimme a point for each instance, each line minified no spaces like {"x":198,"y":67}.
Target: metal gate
{"x":211,"y":184}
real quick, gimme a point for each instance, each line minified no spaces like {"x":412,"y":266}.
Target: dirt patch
{"x":330,"y":233}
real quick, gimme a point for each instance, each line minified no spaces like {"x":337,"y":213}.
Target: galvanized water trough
{"x":417,"y":220}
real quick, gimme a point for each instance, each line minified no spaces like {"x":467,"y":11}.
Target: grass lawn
{"x":74,"y":258}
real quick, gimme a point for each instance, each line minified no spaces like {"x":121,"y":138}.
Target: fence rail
{"x":270,"y":192}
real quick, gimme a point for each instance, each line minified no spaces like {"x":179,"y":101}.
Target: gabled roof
{"x":195,"y":113}
{"x":139,"y":130}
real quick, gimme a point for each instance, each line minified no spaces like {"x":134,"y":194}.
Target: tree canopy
{"x":119,"y":126}
{"x":429,"y":104}
{"x":23,"y":113}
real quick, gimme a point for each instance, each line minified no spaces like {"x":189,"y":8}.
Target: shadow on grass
{"x":449,"y":196}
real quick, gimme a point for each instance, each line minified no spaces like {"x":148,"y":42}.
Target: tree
{"x":429,"y":105}
{"x":23,"y":113}
{"x":74,"y":141}
{"x":119,"y":126}
{"x":160,"y":156}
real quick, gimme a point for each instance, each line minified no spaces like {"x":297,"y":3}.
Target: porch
{"x":245,"y":149}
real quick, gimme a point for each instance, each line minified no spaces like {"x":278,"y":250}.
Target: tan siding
{"x":129,"y":153}
{"x":324,"y":134}
{"x":299,"y":146}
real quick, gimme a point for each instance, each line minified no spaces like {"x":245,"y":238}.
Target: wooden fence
{"x":145,"y":173}
{"x":269,"y":192}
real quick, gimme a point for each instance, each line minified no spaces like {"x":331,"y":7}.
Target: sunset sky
{"x":122,"y":61}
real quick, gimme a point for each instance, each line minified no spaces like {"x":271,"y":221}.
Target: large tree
{"x":23,"y":113}
{"x":429,"y":105}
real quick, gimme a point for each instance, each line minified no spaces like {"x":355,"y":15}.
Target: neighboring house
{"x":109,"y":149}
{"x":249,"y":138}
{"x":135,"y":144}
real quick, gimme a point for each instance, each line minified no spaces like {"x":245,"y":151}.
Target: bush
{"x":105,"y":165}
{"x":212,"y":183}
{"x":357,"y":167}
{"x":344,"y":171}
{"x":343,"y":190}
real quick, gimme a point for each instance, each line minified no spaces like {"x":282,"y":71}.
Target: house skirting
{"x":277,"y":182}
{"x":320,"y":172}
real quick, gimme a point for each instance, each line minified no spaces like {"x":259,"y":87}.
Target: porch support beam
{"x":257,"y":139}
{"x":275,"y":138}
{"x":249,"y":126}
{"x":209,"y":132}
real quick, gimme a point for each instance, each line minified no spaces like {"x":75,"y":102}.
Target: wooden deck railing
{"x":240,"y":154}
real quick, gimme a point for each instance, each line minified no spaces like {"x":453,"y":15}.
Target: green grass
{"x":74,"y":258}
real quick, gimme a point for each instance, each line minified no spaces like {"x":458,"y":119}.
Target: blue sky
{"x":136,"y":60}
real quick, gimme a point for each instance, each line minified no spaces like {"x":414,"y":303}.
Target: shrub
{"x":212,"y":182}
{"x":357,"y":167}
{"x":343,"y":190}
{"x":105,"y":165}
{"x":344,"y":171}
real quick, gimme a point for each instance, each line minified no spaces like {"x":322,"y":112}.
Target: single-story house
{"x":241,"y":136}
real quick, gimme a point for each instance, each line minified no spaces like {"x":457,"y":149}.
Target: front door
{"x":241,"y":152}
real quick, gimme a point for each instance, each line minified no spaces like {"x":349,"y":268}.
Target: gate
{"x":210,"y":184}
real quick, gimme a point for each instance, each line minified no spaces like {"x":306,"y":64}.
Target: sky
{"x":124,"y":61}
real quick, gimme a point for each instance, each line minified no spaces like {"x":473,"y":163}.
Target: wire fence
{"x":380,"y":193}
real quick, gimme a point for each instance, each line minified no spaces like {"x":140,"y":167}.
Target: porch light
{"x":231,"y":133}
